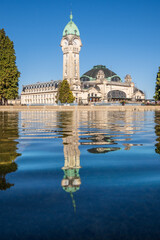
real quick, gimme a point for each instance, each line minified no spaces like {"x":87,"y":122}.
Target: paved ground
{"x":80,"y":108}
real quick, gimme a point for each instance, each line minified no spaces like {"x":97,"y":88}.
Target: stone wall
{"x":80,"y":108}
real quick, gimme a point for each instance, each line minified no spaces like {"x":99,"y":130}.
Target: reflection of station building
{"x":103,"y":124}
{"x":42,"y":124}
{"x":38,"y":124}
{"x":71,"y":180}
{"x":114,"y":121}
{"x":100,"y":133}
{"x":109,"y":127}
{"x":106,"y":126}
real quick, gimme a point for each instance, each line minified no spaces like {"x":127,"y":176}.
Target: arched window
{"x":84,"y":79}
{"x":115,"y":79}
{"x":116,"y":94}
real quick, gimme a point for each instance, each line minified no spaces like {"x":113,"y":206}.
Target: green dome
{"x":72,"y":174}
{"x":71,"y":28}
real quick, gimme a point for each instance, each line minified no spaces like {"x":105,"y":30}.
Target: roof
{"x":138,"y":90}
{"x":71,"y":28}
{"x":42,"y":84}
{"x":92,"y":74}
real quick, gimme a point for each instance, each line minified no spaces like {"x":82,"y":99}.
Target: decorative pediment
{"x":100,"y":75}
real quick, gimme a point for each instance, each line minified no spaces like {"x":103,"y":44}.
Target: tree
{"x":64,"y":94}
{"x":157,"y":90}
{"x":9,"y":74}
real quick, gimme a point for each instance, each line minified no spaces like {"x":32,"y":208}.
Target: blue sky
{"x":123,"y":35}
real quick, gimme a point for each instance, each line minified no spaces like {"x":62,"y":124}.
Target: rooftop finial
{"x":71,"y":16}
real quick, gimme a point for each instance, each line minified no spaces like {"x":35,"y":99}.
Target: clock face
{"x":75,"y":42}
{"x":65,"y":42}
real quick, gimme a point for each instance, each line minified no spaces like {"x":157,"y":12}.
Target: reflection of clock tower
{"x":71,"y":180}
{"x":71,"y":46}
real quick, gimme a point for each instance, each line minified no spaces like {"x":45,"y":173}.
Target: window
{"x":115,"y":79}
{"x":116,"y":94}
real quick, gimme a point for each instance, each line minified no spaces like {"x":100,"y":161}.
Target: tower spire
{"x":73,"y":202}
{"x":71,"y":16}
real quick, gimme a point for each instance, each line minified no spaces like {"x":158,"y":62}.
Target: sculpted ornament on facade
{"x":100,"y":75}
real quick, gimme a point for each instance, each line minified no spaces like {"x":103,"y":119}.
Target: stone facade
{"x":39,"y":93}
{"x":101,"y":84}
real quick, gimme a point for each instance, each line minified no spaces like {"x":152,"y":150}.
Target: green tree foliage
{"x":64,"y":94}
{"x":9,"y":74}
{"x":157,"y":90}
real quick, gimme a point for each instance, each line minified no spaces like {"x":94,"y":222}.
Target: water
{"x":80,"y":175}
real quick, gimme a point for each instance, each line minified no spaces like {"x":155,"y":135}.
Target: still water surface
{"x":80,"y":175}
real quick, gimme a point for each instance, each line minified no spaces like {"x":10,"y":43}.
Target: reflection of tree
{"x":5,"y":169}
{"x":68,"y":125}
{"x":99,"y":139}
{"x":103,"y":149}
{"x":8,"y":146}
{"x":157,"y":131}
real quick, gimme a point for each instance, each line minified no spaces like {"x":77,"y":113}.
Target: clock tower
{"x":71,"y":46}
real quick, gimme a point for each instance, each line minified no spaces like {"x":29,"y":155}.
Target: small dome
{"x":71,"y":28}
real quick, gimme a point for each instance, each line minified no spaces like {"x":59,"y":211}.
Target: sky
{"x":123,"y":35}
